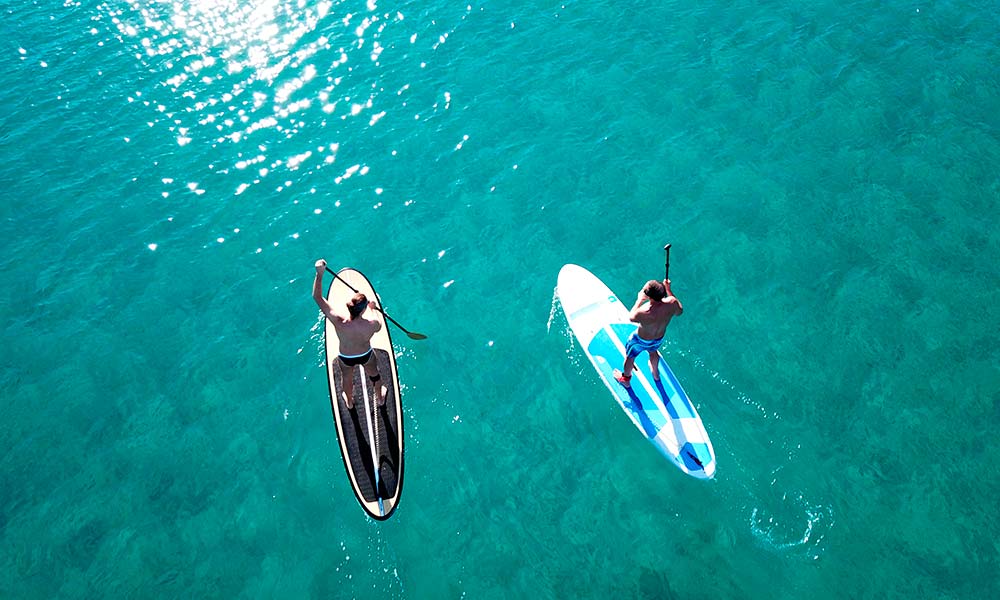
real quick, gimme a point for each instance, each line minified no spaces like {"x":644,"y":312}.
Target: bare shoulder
{"x":330,"y":312}
{"x":641,"y":314}
{"x":674,"y":304}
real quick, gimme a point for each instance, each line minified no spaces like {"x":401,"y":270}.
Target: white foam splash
{"x":552,"y":309}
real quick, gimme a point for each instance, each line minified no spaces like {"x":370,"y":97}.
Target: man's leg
{"x":625,"y":375}
{"x":654,"y":363}
{"x":347,"y":377}
{"x":629,"y":365}
{"x":371,"y":369}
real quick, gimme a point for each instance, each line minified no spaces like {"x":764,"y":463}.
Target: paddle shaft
{"x":415,"y":336}
{"x":666,"y":274}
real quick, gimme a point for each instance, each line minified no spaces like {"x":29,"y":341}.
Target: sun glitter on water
{"x":262,"y":77}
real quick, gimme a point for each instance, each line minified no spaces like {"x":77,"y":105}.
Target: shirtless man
{"x":653,"y":319}
{"x":355,"y":334}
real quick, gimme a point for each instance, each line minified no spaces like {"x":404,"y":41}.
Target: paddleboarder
{"x":355,"y":334}
{"x":652,"y":311}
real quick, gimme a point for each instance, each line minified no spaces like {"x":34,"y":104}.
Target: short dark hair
{"x":357,"y":305}
{"x":655,"y":290}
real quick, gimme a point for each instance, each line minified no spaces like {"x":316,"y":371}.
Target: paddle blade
{"x":416,"y":336}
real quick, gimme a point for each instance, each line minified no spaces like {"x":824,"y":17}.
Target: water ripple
{"x":277,"y":97}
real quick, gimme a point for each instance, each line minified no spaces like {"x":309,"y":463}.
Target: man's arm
{"x":672,"y":300}
{"x":633,"y":315}
{"x":318,"y":290}
{"x":376,"y":324}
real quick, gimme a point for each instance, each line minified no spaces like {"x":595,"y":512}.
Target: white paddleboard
{"x":370,"y":436}
{"x":660,"y":410}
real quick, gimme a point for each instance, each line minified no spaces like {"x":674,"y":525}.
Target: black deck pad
{"x":355,"y":425}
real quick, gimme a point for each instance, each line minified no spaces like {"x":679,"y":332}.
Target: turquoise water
{"x":826,"y":173}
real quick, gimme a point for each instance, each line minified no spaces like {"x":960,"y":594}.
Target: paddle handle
{"x":666,"y":274}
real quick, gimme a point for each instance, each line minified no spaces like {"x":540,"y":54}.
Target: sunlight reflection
{"x":288,"y":86}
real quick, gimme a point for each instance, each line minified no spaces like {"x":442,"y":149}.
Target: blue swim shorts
{"x":636,"y":345}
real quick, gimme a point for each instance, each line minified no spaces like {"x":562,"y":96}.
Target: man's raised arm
{"x":318,"y":290}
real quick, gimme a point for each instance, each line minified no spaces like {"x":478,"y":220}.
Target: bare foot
{"x":381,"y":396}
{"x":349,"y":404}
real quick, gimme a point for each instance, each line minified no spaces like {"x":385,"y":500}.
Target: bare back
{"x":355,"y":334}
{"x":654,"y":316}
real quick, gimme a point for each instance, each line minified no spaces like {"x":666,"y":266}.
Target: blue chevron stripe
{"x":636,"y":397}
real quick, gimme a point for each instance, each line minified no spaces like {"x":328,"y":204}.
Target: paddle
{"x":412,"y":335}
{"x":667,"y":274}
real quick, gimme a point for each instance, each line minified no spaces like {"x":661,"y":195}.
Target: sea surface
{"x":826,"y":172}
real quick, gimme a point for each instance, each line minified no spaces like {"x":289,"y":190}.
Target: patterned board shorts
{"x":636,"y":345}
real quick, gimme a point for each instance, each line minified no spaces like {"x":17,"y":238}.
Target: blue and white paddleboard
{"x":659,"y":409}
